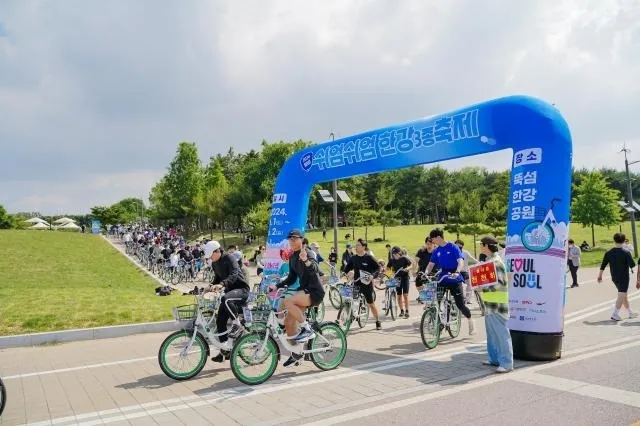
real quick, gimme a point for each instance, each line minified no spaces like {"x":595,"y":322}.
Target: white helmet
{"x":210,"y":247}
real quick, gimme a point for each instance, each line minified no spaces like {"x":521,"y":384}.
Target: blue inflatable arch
{"x":537,"y":223}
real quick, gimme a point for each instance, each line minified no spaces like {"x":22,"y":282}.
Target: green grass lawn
{"x":412,"y":237}
{"x":58,"y":280}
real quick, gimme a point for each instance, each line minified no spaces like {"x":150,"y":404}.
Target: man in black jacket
{"x":302,"y":266}
{"x":228,"y":276}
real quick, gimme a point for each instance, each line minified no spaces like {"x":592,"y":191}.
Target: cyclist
{"x":468,"y":260}
{"x":346,"y":256}
{"x":400,"y":264}
{"x":362,"y":261}
{"x":303,"y":268}
{"x":449,"y":259}
{"x":423,"y":256}
{"x":228,"y":276}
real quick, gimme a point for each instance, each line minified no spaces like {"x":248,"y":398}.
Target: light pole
{"x":630,"y":199}
{"x":335,"y":207}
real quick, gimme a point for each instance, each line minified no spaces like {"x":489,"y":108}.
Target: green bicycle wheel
{"x":430,"y":327}
{"x":177,"y":365}
{"x":455,"y":320}
{"x":329,"y":336}
{"x":250,"y":362}
{"x":335,"y":298}
{"x":345,"y":316}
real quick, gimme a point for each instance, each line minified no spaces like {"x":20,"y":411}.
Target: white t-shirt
{"x":174,"y":259}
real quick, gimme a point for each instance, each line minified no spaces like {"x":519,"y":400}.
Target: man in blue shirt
{"x":448,"y":257}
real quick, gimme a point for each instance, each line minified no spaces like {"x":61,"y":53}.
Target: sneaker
{"x":218,"y":358}
{"x":489,"y":363}
{"x":294,"y":359}
{"x":401,"y":314}
{"x":503,"y":370}
{"x":616,"y":317}
{"x":226,"y":346}
{"x":472,"y":327}
{"x":406,"y":315}
{"x":305,"y":334}
{"x":378,"y":325}
{"x":574,"y":285}
{"x":633,"y":315}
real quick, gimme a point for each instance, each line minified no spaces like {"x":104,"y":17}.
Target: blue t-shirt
{"x":446,"y":258}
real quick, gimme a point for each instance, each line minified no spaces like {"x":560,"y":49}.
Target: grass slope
{"x":412,"y":237}
{"x":58,"y":280}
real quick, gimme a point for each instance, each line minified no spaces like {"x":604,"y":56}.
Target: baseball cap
{"x":349,"y":245}
{"x":210,"y":247}
{"x":396,"y":249}
{"x":490,"y":241}
{"x":295,"y":233}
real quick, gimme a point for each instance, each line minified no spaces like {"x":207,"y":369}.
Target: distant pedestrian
{"x":324,"y":234}
{"x":620,"y":262}
{"x":573,"y":262}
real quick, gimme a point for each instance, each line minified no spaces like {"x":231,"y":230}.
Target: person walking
{"x":620,"y":262}
{"x":496,"y":302}
{"x":573,"y":262}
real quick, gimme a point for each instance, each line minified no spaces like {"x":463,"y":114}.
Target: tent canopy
{"x":64,"y":220}
{"x":69,"y":225}
{"x":39,"y":225}
{"x":36,"y":220}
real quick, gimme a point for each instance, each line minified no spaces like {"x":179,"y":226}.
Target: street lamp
{"x":335,"y":207}
{"x":630,"y":199}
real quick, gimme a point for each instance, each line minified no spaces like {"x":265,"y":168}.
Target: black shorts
{"x":367,"y":292}
{"x":622,"y":287}
{"x":316,"y":295}
{"x":403,"y":285}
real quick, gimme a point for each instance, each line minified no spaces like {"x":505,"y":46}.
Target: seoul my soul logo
{"x":524,"y":273}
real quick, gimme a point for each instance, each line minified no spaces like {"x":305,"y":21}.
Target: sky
{"x":95,"y":96}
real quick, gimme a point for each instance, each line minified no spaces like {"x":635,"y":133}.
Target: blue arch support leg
{"x":540,"y":190}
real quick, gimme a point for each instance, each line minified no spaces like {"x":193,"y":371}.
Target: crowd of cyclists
{"x":304,"y":283}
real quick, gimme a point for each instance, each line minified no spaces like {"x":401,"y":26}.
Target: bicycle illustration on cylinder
{"x":538,"y":235}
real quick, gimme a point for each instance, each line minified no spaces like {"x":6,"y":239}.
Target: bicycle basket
{"x":365,"y":277}
{"x":185,"y":312}
{"x":391,"y":283}
{"x":346,"y":291}
{"x":256,"y":315}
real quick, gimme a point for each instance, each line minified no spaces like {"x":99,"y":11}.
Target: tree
{"x":212,"y":203}
{"x":366,"y":218}
{"x":184,"y":182}
{"x":473,"y":217}
{"x":258,"y":218}
{"x":5,"y":219}
{"x":595,"y":203}
{"x":386,"y":215}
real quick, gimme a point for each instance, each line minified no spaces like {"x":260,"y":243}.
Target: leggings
{"x":456,"y":292}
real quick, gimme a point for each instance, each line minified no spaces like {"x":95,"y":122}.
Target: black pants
{"x":574,"y":272}
{"x":235,"y":305}
{"x":458,"y":297}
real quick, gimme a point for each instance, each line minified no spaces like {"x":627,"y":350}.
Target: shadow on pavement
{"x":603,"y":322}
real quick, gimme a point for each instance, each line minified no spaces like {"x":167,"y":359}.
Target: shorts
{"x":367,"y":292}
{"x":316,"y":295}
{"x":403,"y":285}
{"x":622,"y":287}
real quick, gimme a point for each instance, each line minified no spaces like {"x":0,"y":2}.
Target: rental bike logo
{"x":524,"y":273}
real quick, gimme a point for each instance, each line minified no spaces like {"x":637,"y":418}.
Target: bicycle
{"x":350,"y":310}
{"x":3,"y":396}
{"x":334,"y":290}
{"x":390,"y":303}
{"x":198,"y":335}
{"x":440,"y":313}
{"x":263,"y":347}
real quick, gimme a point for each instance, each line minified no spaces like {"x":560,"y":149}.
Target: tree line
{"x":232,"y":191}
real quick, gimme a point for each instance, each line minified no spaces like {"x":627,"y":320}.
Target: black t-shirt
{"x":197,"y":253}
{"x":362,"y":263}
{"x":402,"y":262}
{"x":166,"y":253}
{"x":424,"y":257}
{"x":333,"y":258}
{"x":619,"y":261}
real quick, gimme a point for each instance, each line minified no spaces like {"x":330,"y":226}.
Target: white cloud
{"x":109,"y":89}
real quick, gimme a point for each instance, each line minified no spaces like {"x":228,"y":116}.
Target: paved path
{"x":387,"y":378}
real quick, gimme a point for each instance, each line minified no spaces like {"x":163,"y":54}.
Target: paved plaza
{"x":388,"y":377}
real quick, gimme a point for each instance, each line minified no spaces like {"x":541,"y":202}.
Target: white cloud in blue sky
{"x":94,"y":96}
